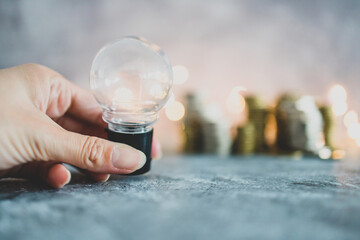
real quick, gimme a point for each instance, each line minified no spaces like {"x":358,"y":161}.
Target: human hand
{"x":46,"y":121}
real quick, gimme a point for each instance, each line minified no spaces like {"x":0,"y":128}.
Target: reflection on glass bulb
{"x":157,"y":92}
{"x":131,"y":79}
{"x":123,"y":98}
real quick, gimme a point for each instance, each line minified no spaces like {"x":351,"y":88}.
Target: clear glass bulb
{"x":131,"y":79}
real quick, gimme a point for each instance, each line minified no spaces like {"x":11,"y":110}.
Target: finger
{"x":57,"y":176}
{"x":52,"y":174}
{"x":156,"y":152}
{"x":73,"y":124}
{"x":55,"y":95}
{"x":84,"y":106}
{"x":90,"y":153}
{"x":98,"y":177}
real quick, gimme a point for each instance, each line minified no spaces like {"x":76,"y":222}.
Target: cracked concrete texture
{"x":193,"y":197}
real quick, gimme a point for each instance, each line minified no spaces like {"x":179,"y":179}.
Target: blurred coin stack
{"x":206,"y":130}
{"x":244,"y":142}
{"x":328,"y":125}
{"x":282,"y":122}
{"x":250,"y":137}
{"x":193,"y":129}
{"x":216,"y":135}
{"x":257,"y":114}
{"x":300,"y":124}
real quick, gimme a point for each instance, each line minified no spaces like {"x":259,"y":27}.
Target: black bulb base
{"x":140,"y":141}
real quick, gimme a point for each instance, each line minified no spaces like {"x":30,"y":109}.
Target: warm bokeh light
{"x":271,"y":129}
{"x":338,"y":154}
{"x":354,"y":131}
{"x":181,"y":74}
{"x":339,"y":108}
{"x":325,"y":153}
{"x":350,"y":118}
{"x":175,"y":111}
{"x":235,"y":102}
{"x":337,"y":94}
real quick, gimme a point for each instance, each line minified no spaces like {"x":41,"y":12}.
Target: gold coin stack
{"x":282,"y":122}
{"x":193,"y":126}
{"x":244,"y":142}
{"x":328,"y":125}
{"x":193,"y":137}
{"x":257,"y":114}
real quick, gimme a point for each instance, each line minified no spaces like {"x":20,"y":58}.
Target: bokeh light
{"x":325,"y":153}
{"x":339,"y":108}
{"x":354,"y":131}
{"x":350,"y":118}
{"x":175,"y":111}
{"x":181,"y":74}
{"x":337,"y":97}
{"x":235,"y":102}
{"x":337,"y":94}
{"x":338,"y":154}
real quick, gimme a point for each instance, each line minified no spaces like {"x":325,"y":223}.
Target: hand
{"x":46,"y":121}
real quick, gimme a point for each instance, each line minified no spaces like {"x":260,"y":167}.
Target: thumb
{"x":91,"y":153}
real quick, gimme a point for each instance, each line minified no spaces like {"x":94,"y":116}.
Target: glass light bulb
{"x":131,"y":79}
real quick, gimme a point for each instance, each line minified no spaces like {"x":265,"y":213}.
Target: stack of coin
{"x":216,"y":137}
{"x":328,"y":125}
{"x":282,"y":122}
{"x":205,"y":128}
{"x":257,"y":114}
{"x":244,"y":142}
{"x":193,"y":129}
{"x":299,"y":124}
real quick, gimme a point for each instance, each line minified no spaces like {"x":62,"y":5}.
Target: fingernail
{"x":105,"y":180}
{"x":126,"y":157}
{"x":69,"y":177}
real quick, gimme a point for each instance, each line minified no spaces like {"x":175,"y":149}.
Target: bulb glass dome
{"x":131,"y":79}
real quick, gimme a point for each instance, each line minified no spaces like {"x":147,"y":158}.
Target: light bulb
{"x":131,"y":79}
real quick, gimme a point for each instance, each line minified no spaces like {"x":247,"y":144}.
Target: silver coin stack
{"x":300,"y":124}
{"x":206,"y":130}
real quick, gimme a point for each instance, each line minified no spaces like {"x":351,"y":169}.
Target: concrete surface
{"x":192,"y":197}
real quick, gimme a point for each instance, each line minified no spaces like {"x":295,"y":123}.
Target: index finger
{"x":84,"y":106}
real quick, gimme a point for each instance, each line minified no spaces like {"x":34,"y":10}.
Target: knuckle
{"x":38,"y":71}
{"x":92,"y":152}
{"x":35,"y":67}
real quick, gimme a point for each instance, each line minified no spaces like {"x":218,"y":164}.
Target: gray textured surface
{"x":193,"y":198}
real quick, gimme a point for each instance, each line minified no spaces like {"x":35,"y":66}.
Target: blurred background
{"x":216,"y":47}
